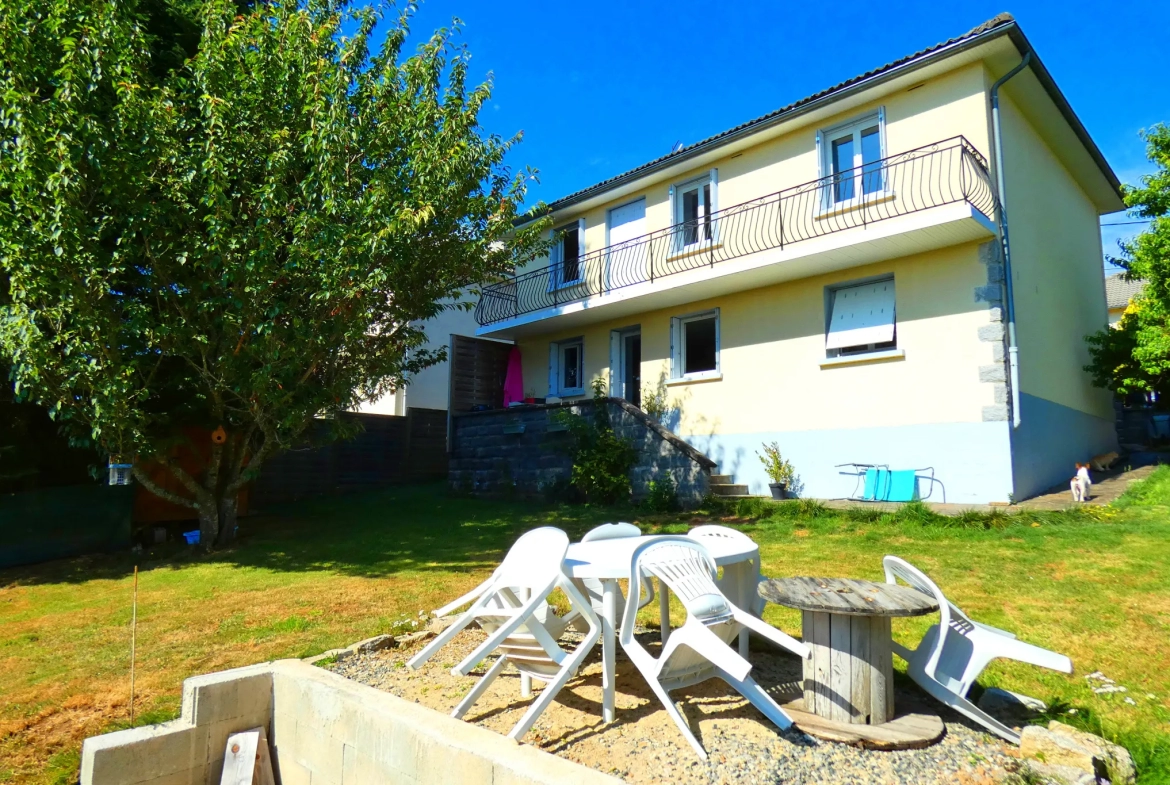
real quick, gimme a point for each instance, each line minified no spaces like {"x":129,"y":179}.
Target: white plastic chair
{"x":946,"y":666}
{"x":592,"y":587}
{"x":700,"y":649}
{"x":513,"y":610}
{"x":740,"y":581}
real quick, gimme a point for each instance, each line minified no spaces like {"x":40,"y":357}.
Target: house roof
{"x":1119,"y":291}
{"x":1002,"y":24}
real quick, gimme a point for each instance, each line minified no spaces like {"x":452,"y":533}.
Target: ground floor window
{"x":566,"y":373}
{"x":861,"y":318}
{"x":695,"y":345}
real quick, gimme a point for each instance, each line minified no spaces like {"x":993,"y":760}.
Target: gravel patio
{"x":643,"y":746}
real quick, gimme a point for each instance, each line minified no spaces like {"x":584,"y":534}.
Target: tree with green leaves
{"x":239,"y":242}
{"x":1134,"y":357}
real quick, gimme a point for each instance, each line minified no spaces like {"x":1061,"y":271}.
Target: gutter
{"x":1002,"y":228}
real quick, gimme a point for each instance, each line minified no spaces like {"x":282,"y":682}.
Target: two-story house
{"x":831,"y":276}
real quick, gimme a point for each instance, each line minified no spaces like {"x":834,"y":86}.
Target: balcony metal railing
{"x":943,"y":173}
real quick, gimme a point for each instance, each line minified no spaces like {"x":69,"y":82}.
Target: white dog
{"x":1081,"y":484}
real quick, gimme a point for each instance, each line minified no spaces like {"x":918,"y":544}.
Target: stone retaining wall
{"x":324,"y":729}
{"x":524,"y":449}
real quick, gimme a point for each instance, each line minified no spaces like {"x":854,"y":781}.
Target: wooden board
{"x":246,"y":759}
{"x":909,"y":730}
{"x":847,"y":596}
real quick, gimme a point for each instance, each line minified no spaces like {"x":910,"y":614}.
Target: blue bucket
{"x":192,"y":537}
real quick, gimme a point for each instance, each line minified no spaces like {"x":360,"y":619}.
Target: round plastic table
{"x":609,"y":561}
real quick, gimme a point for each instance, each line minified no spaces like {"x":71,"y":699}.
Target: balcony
{"x":931,"y":197}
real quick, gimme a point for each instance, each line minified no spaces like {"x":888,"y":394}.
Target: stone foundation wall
{"x":524,"y":449}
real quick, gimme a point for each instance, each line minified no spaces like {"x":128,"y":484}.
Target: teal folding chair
{"x":879,"y":483}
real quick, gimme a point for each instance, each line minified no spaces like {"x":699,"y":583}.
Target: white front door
{"x":626,"y":260}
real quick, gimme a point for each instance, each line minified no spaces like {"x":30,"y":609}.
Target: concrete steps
{"x":725,"y":487}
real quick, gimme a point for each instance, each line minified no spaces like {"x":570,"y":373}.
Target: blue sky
{"x":600,"y":88}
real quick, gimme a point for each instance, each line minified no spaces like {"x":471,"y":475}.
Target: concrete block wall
{"x":324,"y":730}
{"x":523,"y":449}
{"x":189,"y":750}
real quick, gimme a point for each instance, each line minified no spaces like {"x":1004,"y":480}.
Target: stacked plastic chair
{"x":512,"y":608}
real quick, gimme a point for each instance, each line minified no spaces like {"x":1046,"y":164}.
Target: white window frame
{"x":556,"y":357}
{"x":556,"y":256}
{"x":710,"y":178}
{"x":866,"y":349}
{"x":678,"y":347}
{"x":825,"y":138}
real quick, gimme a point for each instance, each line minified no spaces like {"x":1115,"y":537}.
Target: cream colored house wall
{"x":923,"y":410}
{"x":939,"y":109}
{"x":1056,"y":259}
{"x":772,"y":341}
{"x":1059,"y":299}
{"x":428,"y":389}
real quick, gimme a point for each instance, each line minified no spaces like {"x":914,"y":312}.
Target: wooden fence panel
{"x":389,"y":450}
{"x":478,"y":367}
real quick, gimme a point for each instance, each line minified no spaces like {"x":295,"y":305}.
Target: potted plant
{"x":779,"y":471}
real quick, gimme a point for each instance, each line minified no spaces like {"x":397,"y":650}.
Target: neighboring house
{"x":427,"y":389}
{"x":1118,"y":294}
{"x":829,"y":276}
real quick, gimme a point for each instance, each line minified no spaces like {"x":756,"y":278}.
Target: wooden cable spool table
{"x":848,"y":681}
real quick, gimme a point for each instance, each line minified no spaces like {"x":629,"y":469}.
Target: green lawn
{"x":1090,"y":584}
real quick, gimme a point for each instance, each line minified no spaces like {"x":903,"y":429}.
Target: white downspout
{"x":1002,"y":226}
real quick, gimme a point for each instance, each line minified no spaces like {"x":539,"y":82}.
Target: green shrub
{"x":662,"y":496}
{"x":601,"y":460}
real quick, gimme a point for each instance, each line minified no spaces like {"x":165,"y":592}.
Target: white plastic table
{"x":609,"y":561}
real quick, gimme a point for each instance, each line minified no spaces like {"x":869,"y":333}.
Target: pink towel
{"x":514,"y":378}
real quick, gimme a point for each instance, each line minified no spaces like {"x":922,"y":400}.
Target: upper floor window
{"x":694,"y":203}
{"x":851,"y":155}
{"x":569,"y":241}
{"x":861,"y":319}
{"x":694,"y":344}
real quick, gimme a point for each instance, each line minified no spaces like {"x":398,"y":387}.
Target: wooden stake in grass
{"x":133,"y":636}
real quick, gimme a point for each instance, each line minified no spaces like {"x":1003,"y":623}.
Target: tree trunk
{"x":209,"y":528}
{"x":227,"y":520}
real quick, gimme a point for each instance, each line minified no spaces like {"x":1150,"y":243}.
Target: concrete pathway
{"x":1107,"y":487}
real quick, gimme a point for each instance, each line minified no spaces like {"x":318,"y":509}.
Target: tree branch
{"x":149,"y":484}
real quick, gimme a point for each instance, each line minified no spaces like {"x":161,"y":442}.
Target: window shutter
{"x":553,"y":366}
{"x":882,"y":130}
{"x":675,"y":345}
{"x":673,"y":211}
{"x":714,"y":206}
{"x":554,"y":262}
{"x":862,"y":315}
{"x":581,"y":272}
{"x":615,"y":364}
{"x":718,"y":343}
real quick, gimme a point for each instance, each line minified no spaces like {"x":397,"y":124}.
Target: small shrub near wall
{"x":661,"y":496}
{"x":601,"y":459}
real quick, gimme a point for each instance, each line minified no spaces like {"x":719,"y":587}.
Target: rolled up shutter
{"x":862,"y":315}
